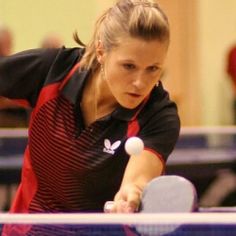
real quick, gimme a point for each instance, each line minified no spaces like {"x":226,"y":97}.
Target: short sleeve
{"x":22,"y":75}
{"x":161,"y":131}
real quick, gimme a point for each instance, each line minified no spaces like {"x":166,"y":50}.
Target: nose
{"x":139,"y":81}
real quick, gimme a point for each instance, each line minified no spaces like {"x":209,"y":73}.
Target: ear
{"x":100,"y":52}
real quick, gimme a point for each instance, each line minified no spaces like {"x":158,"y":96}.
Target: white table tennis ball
{"x":134,"y":146}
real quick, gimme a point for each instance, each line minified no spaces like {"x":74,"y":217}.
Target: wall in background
{"x":217,"y":33}
{"x":181,"y":77}
{"x":32,"y":20}
{"x":202,"y":32}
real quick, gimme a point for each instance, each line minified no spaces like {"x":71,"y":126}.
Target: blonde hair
{"x":136,"y":18}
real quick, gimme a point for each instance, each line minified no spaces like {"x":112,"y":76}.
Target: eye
{"x":129,"y":66}
{"x":153,"y":68}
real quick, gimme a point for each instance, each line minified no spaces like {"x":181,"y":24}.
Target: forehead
{"x":134,"y":49}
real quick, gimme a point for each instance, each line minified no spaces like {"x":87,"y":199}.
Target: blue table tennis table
{"x":198,"y":156}
{"x":90,"y":224}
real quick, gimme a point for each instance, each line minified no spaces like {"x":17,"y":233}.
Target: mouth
{"x":134,"y":95}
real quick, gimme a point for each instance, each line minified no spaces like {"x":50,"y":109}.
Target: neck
{"x":97,"y":100}
{"x":104,"y":101}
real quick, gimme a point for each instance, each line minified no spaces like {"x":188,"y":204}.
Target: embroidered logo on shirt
{"x":110,"y":148}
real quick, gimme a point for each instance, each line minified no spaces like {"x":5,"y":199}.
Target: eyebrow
{"x":132,"y":61}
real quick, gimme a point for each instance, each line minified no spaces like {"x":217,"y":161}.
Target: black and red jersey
{"x":69,"y":167}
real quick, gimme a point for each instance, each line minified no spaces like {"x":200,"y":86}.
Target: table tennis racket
{"x":165,"y":194}
{"x":168,"y":193}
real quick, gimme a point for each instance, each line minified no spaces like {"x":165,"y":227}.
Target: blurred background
{"x":202,"y":33}
{"x":199,"y":75}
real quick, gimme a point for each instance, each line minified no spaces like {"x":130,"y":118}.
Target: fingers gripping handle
{"x":108,"y":206}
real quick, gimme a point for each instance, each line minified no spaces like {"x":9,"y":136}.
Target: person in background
{"x":87,"y":101}
{"x":12,"y":115}
{"x":231,"y":70}
{"x":6,"y":41}
{"x":52,"y":40}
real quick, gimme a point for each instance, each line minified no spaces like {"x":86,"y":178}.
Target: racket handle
{"x":108,"y":206}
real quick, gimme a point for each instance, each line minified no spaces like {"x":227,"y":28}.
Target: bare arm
{"x":139,"y":171}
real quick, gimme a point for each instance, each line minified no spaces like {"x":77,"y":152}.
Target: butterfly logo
{"x":110,"y":148}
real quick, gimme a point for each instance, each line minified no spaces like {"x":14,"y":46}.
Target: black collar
{"x":73,"y":91}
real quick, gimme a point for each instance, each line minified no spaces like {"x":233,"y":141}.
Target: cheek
{"x":115,"y":78}
{"x":155,"y":79}
{"x":113,"y":82}
{"x":151,"y":79}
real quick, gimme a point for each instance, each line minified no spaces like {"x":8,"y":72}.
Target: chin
{"x":129,"y":105}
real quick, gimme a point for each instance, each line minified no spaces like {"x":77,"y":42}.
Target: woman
{"x":86,"y":103}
